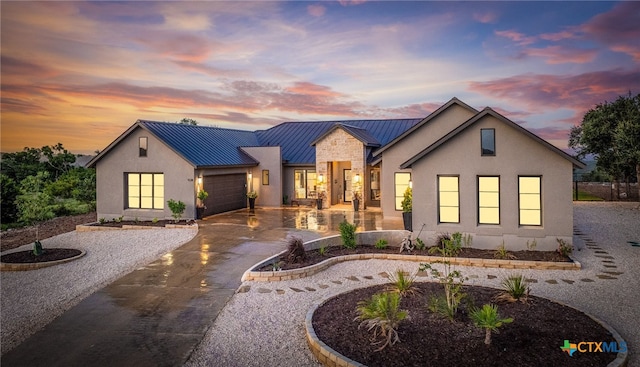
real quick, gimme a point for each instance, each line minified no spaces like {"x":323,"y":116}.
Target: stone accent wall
{"x":340,"y":146}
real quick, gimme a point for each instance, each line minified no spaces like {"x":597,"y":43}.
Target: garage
{"x":226,"y":193}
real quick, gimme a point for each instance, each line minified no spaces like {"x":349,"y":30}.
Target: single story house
{"x":470,"y":171}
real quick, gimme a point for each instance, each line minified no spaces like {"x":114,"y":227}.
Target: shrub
{"x":488,"y":318}
{"x":451,"y":280}
{"x":295,"y":251}
{"x":348,"y":234}
{"x":420,"y":245}
{"x":382,"y":315}
{"x":154,"y":220}
{"x":565,"y":249}
{"x":407,"y":200}
{"x":514,"y":288}
{"x":402,"y":283}
{"x":502,"y":253}
{"x":381,"y":244}
{"x":323,"y":251}
{"x":177,"y":209}
{"x":441,"y":238}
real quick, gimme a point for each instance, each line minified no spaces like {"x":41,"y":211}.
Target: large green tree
{"x":611,"y":132}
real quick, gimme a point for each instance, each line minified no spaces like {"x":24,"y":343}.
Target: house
{"x":471,"y":171}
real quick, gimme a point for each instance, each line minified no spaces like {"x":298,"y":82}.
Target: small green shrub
{"x":488,"y":319}
{"x":420,"y":245}
{"x":451,"y":280}
{"x":565,"y":249}
{"x":323,"y":251}
{"x":514,"y":288}
{"x":177,"y":209}
{"x":407,"y":200}
{"x":502,"y":253}
{"x":154,"y":220}
{"x":118,"y":219}
{"x":276,"y":265}
{"x":382,"y":315}
{"x":402,"y":283}
{"x":102,"y":220}
{"x":381,"y":244}
{"x":348,"y":234}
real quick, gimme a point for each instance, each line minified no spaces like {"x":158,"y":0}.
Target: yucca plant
{"x":402,"y":283}
{"x":382,"y":315}
{"x":381,"y":244}
{"x":514,"y":288}
{"x":488,"y":318}
{"x":502,"y":253}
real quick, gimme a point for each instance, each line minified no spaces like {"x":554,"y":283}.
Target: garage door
{"x":226,"y":192}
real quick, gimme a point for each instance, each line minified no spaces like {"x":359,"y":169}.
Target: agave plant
{"x":514,"y":288}
{"x":403,"y":283}
{"x":382,"y":315}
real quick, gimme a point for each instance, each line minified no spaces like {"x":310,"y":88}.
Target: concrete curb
{"x":40,"y":265}
{"x":90,"y":228}
{"x":329,"y":357}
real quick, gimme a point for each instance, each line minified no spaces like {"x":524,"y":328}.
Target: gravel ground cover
{"x":262,"y":325}
{"x":32,"y":299}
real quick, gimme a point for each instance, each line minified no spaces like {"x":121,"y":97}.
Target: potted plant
{"x":252,"y":195}
{"x":407,"y":208}
{"x":202,"y":196}
{"x":356,"y":201}
{"x":321,"y":196}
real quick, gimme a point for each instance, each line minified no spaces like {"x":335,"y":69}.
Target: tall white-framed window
{"x":401,"y":182}
{"x":145,"y":190}
{"x":530,"y":200}
{"x":488,"y":200}
{"x":448,"y":199}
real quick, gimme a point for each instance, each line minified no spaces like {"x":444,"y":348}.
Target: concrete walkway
{"x":159,"y":313}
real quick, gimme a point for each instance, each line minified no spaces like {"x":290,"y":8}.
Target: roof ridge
{"x":196,"y":126}
{"x":346,"y":120}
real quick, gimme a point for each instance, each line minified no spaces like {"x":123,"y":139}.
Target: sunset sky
{"x":80,"y":73}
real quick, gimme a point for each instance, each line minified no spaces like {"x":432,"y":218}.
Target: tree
{"x":611,"y":131}
{"x":7,"y":198}
{"x":188,"y":121}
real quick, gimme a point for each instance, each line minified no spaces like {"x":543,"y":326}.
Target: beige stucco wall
{"x":270,"y":158}
{"x":340,"y":146}
{"x":110,"y":181}
{"x":516,"y":154}
{"x":411,"y":145}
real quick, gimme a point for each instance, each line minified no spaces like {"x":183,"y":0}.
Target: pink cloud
{"x":488,"y":17}
{"x":316,"y":10}
{"x":409,"y":111}
{"x":561,"y":55}
{"x":351,"y":2}
{"x":517,"y":37}
{"x":618,"y":28}
{"x":558,"y":36}
{"x":185,"y":47}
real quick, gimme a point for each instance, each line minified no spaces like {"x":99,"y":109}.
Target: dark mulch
{"x":49,"y":254}
{"x":533,"y":339}
{"x":159,"y":223}
{"x":314,"y":256}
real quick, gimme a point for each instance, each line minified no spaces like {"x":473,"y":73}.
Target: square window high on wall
{"x":530,"y":200}
{"x":402,"y":181}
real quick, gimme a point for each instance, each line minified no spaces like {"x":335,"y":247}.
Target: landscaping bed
{"x":534,"y":338}
{"x":140,"y":223}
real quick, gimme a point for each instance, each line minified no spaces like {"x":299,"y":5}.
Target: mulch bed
{"x":533,"y":339}
{"x":159,"y":223}
{"x":49,"y":254}
{"x":314,"y":256}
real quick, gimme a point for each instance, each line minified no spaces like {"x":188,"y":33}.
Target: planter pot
{"x":319,"y":204}
{"x":252,"y":203}
{"x":407,"y":219}
{"x":356,"y":205}
{"x":199,"y":212}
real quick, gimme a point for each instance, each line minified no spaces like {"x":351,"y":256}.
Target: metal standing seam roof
{"x":205,"y":146}
{"x":296,"y":138}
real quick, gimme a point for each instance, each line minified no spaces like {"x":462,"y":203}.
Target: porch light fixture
{"x":200,"y":180}
{"x":411,"y":184}
{"x":356,"y":179}
{"x":320,"y":178}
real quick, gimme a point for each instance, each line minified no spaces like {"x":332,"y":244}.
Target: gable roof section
{"x":432,"y":115}
{"x":201,"y":146}
{"x":488,"y":111}
{"x":296,"y":138}
{"x":358,"y":133}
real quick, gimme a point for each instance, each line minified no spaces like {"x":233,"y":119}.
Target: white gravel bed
{"x":32,"y":299}
{"x":264,"y":328}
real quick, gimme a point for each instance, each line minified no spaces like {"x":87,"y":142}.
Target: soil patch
{"x":49,"y":254}
{"x":533,"y":339}
{"x":314,"y":256}
{"x":159,"y":223}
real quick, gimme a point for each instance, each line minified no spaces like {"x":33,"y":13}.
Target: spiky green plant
{"x":381,"y":244}
{"x":565,"y":249}
{"x":420,"y":245}
{"x":488,"y":319}
{"x":514,"y":288}
{"x":323,"y":251}
{"x":382,"y":315}
{"x":502,"y":253}
{"x":403,"y":283}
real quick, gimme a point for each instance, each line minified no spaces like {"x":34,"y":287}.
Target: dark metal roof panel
{"x":203,"y":145}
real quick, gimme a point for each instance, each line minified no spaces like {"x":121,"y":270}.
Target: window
{"x":145,"y":190}
{"x":448,"y":199}
{"x":529,"y":201}
{"x":488,"y":141}
{"x":401,"y":182}
{"x":143,"y":145}
{"x":265,"y":177}
{"x":488,"y":200}
{"x":304,"y":183}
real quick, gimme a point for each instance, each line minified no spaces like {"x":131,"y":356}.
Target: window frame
{"x":143,"y":151}
{"x":306,"y":180}
{"x":482,"y":150}
{"x":539,"y":193}
{"x":439,"y":203}
{"x":265,"y":177}
{"x":398,"y":204}
{"x":479,"y":207}
{"x":139,"y":186}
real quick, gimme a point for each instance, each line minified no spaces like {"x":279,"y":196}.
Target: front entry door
{"x":346,"y":174}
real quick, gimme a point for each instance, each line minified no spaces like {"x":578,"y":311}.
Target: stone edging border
{"x":89,"y":227}
{"x":40,"y":265}
{"x":281,"y":275}
{"x":330,"y":358}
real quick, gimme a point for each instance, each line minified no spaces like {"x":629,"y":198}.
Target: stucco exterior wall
{"x":340,"y":146}
{"x":124,"y":158}
{"x":516,"y":154}
{"x":270,"y":158}
{"x":411,"y":145}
